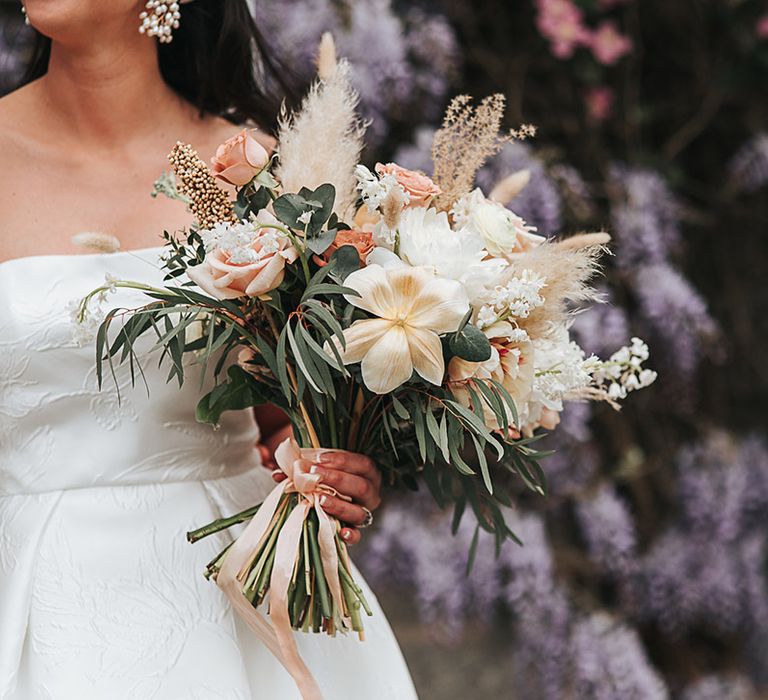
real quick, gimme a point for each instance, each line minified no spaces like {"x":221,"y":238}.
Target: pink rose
{"x":417,"y":185}
{"x":231,"y":269}
{"x":240,"y":158}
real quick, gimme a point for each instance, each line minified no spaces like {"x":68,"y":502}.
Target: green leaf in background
{"x":321,"y":242}
{"x":251,"y":202}
{"x":266,"y":179}
{"x":344,"y":262}
{"x":322,"y":199}
{"x":470,"y":344}
{"x":289,"y":207}
{"x":239,"y":392}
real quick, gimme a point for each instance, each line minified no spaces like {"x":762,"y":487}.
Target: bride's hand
{"x":353,"y":475}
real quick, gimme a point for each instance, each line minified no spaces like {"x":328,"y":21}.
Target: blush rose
{"x":240,"y":158}
{"x":224,"y":279}
{"x":420,"y":187}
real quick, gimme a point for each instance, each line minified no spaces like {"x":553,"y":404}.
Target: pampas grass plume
{"x":584,"y":240}
{"x":99,"y":242}
{"x":567,"y":272}
{"x":509,"y":187}
{"x":327,"y":62}
{"x":322,"y":142}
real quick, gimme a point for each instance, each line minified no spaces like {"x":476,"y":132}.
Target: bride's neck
{"x":103,"y":91}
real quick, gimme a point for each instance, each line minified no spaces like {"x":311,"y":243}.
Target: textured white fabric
{"x":100,"y":594}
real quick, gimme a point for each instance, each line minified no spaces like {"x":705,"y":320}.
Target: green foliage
{"x":421,"y":433}
{"x":239,"y":392}
{"x":470,"y":343}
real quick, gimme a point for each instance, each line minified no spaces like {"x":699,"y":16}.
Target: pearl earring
{"x":24,"y":12}
{"x":160,"y":19}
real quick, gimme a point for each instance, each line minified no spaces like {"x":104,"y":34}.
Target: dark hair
{"x":218,"y":61}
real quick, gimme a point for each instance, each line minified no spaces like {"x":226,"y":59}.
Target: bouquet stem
{"x":222,"y":524}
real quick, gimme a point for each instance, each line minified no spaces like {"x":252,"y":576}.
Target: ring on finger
{"x":368,"y":521}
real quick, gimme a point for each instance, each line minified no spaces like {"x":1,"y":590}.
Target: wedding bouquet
{"x":410,"y":318}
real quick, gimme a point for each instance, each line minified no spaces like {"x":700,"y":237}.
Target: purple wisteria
{"x":748,"y":169}
{"x":403,"y":64}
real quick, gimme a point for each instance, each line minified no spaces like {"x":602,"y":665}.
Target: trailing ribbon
{"x":278,"y":636}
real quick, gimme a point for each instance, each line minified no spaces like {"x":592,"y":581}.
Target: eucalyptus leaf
{"x":288,"y":208}
{"x":321,"y":242}
{"x":237,"y":393}
{"x":470,"y":344}
{"x":344,"y":262}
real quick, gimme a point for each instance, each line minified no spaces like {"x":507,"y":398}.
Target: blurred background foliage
{"x":644,"y":571}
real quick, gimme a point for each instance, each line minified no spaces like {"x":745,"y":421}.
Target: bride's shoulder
{"x":14,"y":112}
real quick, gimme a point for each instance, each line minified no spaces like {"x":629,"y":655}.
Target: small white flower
{"x":616,"y":391}
{"x":305,"y":218}
{"x":647,"y":377}
{"x":237,"y":241}
{"x":517,"y":298}
{"x":560,"y":370}
{"x":623,"y":372}
{"x":111,"y":282}
{"x":374,"y":190}
{"x":212,"y":236}
{"x":486,"y":317}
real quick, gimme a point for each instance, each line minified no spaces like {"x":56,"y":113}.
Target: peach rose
{"x":361,"y":241}
{"x":232,"y":269}
{"x":240,"y":158}
{"x":420,"y":187}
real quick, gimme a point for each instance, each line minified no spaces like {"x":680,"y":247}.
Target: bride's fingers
{"x":344,"y":511}
{"x":347,"y":461}
{"x":267,"y":458}
{"x":351,"y":535}
{"x":356,"y":487}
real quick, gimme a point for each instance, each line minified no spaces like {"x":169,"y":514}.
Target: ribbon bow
{"x":278,"y":636}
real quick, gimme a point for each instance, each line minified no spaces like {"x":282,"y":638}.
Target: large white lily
{"x":412,"y":308}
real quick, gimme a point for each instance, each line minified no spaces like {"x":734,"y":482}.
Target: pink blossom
{"x":608,"y":44}
{"x":599,"y":102}
{"x":761,"y":28}
{"x":562,"y":23}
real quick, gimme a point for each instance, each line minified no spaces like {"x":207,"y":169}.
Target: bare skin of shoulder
{"x":81,"y":148}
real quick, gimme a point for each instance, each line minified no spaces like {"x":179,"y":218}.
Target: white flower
{"x":486,"y":317}
{"x":374,"y":190}
{"x":560,"y":370}
{"x":412,"y":309}
{"x":424,"y":238}
{"x":623,"y":372}
{"x":305,"y":218}
{"x":212,"y":235}
{"x":503,"y":231}
{"x":237,"y":240}
{"x":515,"y":299}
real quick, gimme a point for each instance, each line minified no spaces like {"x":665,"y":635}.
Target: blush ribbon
{"x":278,"y":636}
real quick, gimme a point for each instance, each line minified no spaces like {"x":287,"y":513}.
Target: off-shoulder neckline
{"x":137,"y":252}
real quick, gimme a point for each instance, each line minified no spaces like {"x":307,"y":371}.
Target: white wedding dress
{"x":101,"y":597}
